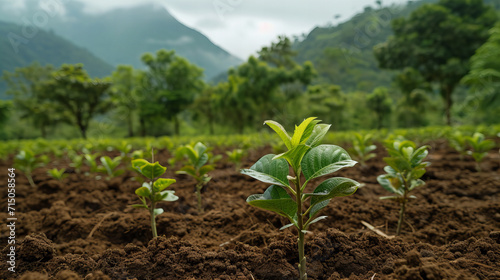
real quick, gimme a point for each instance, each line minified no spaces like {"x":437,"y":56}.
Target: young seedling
{"x":109,"y":166}
{"x":197,"y":168}
{"x":57,"y":174}
{"x":479,"y":148}
{"x":154,"y":190}
{"x":235,"y":156}
{"x":362,"y":148}
{"x":90,"y":160}
{"x":458,"y":142}
{"x":287,"y":196}
{"x":27,"y":162}
{"x":404,"y":170}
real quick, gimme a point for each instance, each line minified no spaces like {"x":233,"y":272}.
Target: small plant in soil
{"x":154,"y":190}
{"x":57,"y":174}
{"x":91,"y":161}
{"x":362,"y":148}
{"x":235,"y":156}
{"x":26,"y":161}
{"x":404,"y":170}
{"x":458,"y":141}
{"x":109,"y":166}
{"x":288,"y":196}
{"x":197,"y":167}
{"x":479,"y":148}
{"x":76,"y":161}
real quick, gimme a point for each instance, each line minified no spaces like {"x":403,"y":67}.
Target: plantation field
{"x":84,"y":228}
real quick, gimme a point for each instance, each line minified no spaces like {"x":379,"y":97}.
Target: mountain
{"x":343,"y":54}
{"x":45,"y":47}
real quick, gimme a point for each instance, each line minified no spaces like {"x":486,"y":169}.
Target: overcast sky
{"x":243,"y":26}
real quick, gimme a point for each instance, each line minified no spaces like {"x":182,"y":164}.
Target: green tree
{"x":279,"y":54}
{"x":24,"y":85}
{"x":381,"y":104}
{"x":172,"y":83}
{"x":207,"y":104}
{"x":438,"y":40}
{"x":253,"y":92}
{"x":80,"y":97}
{"x":484,"y":76}
{"x":412,"y":106}
{"x":125,"y":94}
{"x":328,"y":103}
{"x":5,"y":112}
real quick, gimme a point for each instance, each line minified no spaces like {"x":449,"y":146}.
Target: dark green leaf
{"x":325,"y":159}
{"x":317,"y":135}
{"x":270,"y":171}
{"x":333,"y":187}
{"x":275,"y":199}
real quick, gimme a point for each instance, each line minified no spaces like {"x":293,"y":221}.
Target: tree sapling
{"x":26,"y":161}
{"x":197,"y":168}
{"x":154,"y":190}
{"x":362,"y":148}
{"x":479,"y":147}
{"x":404,"y":170}
{"x":57,"y":174}
{"x":287,"y":196}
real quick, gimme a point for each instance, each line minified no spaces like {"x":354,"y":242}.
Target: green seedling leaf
{"x":286,"y":226}
{"x":205,"y":169}
{"x":316,"y":220}
{"x":139,"y":206}
{"x":391,"y":184}
{"x":317,"y":207}
{"x":137,"y":164}
{"x":398,"y":163}
{"x":294,"y":156}
{"x":143,"y":191}
{"x":317,"y":135}
{"x":325,"y":159}
{"x":152,"y":171}
{"x":201,"y":161}
{"x":418,"y":156}
{"x":303,"y":131}
{"x":278,"y":128}
{"x":162,"y":184}
{"x":188,"y":169}
{"x":269,"y":171}
{"x":275,"y":199}
{"x":333,"y":187}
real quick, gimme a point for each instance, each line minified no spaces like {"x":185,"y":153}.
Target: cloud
{"x":183,"y":40}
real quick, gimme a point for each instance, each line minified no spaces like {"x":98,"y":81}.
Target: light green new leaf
{"x":143,"y":191}
{"x":162,"y":184}
{"x":303,"y":131}
{"x":390,"y":183}
{"x":294,"y":156}
{"x":137,"y":164}
{"x":333,"y":187}
{"x":152,"y":171}
{"x":205,"y":169}
{"x":269,"y":171}
{"x":418,"y":156}
{"x":278,"y":128}
{"x":275,"y":199}
{"x":325,"y":159}
{"x":317,"y":135}
{"x":189,"y":170}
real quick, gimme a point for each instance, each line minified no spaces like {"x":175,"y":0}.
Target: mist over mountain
{"x":121,"y":36}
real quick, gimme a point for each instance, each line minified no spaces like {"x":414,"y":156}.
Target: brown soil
{"x":452,"y":229}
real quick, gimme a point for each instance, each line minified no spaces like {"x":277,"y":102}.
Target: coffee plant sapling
{"x":479,"y":147}
{"x":197,"y":168}
{"x":109,"y":166}
{"x":362,"y":148}
{"x":287,"y":196}
{"x":404,"y":170}
{"x":154,"y":190}
{"x":26,"y":161}
{"x":235,"y":156}
{"x":57,"y":174}
{"x":458,"y":141}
